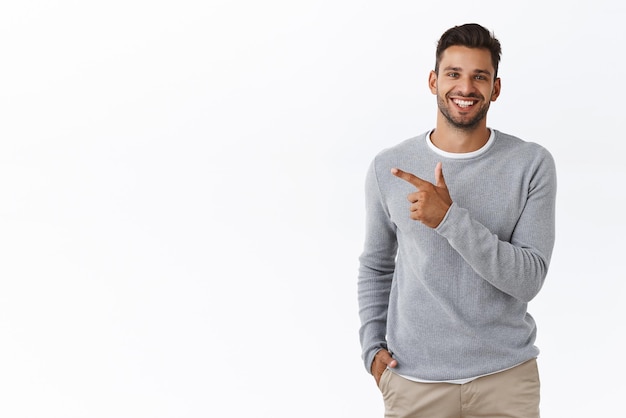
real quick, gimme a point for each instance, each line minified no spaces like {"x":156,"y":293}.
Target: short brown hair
{"x":471,"y":35}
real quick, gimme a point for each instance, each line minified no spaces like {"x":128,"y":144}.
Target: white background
{"x":181,"y":197}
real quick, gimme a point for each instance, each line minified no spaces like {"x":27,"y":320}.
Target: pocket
{"x":384,"y":380}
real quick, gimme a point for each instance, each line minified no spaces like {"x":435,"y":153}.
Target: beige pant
{"x":513,"y":393}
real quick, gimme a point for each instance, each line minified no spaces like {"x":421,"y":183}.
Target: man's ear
{"x":432,"y":82}
{"x":496,"y":89}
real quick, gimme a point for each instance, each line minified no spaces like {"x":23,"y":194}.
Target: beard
{"x":462,"y":122}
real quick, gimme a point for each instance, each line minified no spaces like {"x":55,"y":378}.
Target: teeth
{"x":464,"y":103}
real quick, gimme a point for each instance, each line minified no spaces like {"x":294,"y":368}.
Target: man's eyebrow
{"x":479,"y":71}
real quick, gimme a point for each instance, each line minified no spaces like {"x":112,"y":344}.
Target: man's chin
{"x":464,"y":125}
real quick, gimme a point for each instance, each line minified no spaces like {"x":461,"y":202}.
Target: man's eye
{"x":480,"y":77}
{"x":453,"y":74}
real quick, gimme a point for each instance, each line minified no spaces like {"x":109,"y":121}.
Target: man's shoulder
{"x":407,"y":146}
{"x":517,"y":144}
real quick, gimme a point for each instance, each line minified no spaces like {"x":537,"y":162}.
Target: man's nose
{"x":466,"y":85}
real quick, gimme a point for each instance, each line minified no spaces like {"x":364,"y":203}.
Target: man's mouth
{"x":464,"y":103}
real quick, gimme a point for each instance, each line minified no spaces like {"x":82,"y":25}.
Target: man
{"x":450,"y":262}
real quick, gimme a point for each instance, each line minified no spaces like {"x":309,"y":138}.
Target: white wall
{"x":181,"y":197}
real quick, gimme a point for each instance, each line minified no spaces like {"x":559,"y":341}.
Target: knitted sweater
{"x":451,"y":302}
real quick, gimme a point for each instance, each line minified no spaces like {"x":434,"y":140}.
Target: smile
{"x":463,"y":103}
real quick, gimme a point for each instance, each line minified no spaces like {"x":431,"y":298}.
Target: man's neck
{"x":450,"y":139}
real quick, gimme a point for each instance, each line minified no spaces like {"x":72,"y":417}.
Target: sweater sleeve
{"x":376,"y":269}
{"x":517,"y":267}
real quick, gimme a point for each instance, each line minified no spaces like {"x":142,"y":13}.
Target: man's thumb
{"x":440,"y":181}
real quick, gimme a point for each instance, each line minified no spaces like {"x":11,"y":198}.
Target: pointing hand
{"x":430,"y":203}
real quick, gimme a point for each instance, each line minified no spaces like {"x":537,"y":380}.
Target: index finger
{"x":411,"y":178}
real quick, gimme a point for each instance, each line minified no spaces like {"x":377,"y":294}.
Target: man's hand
{"x":382,"y":360}
{"x":430,"y":203}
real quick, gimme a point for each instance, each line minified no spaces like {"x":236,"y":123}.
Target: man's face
{"x":465,"y":86}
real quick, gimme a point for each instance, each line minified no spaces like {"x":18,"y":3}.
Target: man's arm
{"x":376,"y":268}
{"x":517,"y":267}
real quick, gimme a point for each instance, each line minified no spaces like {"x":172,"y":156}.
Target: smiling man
{"x":450,"y":263}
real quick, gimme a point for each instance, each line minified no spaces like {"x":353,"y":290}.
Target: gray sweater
{"x":451,"y":302}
